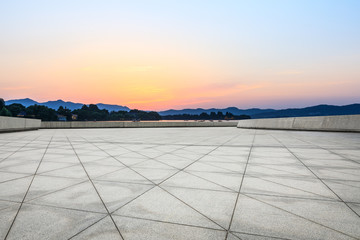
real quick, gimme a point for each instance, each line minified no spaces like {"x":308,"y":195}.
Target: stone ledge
{"x":150,"y":124}
{"x":11,"y":124}
{"x":341,"y":123}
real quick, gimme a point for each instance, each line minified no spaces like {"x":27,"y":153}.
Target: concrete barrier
{"x":9,"y":124}
{"x":145,"y":124}
{"x":343,"y":123}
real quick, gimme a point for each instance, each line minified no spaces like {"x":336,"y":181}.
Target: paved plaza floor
{"x":179,"y":183}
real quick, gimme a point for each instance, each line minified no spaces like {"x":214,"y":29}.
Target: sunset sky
{"x":157,"y":55}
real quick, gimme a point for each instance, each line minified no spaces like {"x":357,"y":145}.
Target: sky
{"x":167,"y":54}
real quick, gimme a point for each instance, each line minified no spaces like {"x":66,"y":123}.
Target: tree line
{"x":85,"y":113}
{"x":205,"y":116}
{"x":93,"y":113}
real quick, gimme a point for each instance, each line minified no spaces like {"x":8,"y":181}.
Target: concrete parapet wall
{"x":145,"y":124}
{"x":343,"y":123}
{"x":9,"y":124}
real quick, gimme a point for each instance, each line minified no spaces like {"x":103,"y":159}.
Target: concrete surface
{"x":143,"y":124}
{"x":179,"y":183}
{"x":345,"y":123}
{"x":8,"y":124}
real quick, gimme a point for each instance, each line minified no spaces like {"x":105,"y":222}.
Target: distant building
{"x":61,"y":117}
{"x":74,"y":117}
{"x":21,"y":114}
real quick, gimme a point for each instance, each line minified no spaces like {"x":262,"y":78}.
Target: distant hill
{"x":56,"y":104}
{"x":319,"y":110}
{"x":70,"y":105}
{"x":25,"y":102}
{"x":110,"y":107}
{"x":232,"y":110}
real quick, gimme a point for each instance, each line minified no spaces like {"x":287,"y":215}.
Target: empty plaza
{"x":179,"y":183}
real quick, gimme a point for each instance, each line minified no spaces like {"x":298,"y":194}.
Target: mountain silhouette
{"x":318,"y":110}
{"x":233,"y":110}
{"x":70,"y":105}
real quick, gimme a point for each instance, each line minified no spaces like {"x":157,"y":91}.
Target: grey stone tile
{"x":355,"y":207}
{"x":168,"y":148}
{"x":230,"y":181}
{"x":57,"y":150}
{"x":95,"y":170}
{"x":271,"y":152}
{"x":298,"y":171}
{"x":345,"y":174}
{"x":188,"y":154}
{"x":218,"y":206}
{"x":225,"y":158}
{"x":348,"y":153}
{"x":151,"y":153}
{"x":108,"y":161}
{"x":152,"y":164}
{"x":159,"y":205}
{"x":209,"y":167}
{"x":274,"y":160}
{"x":5,"y":204}
{"x":184,"y":179}
{"x":243,"y":236}
{"x":128,"y":161}
{"x":115,"y":150}
{"x":176,"y":163}
{"x":50,"y":166}
{"x":27,"y":167}
{"x":14,"y":190}
{"x":237,"y":167}
{"x":43,"y":185}
{"x":138,"y":229}
{"x":172,"y":158}
{"x":302,"y":188}
{"x":124,"y":175}
{"x":75,"y":171}
{"x":116,"y":194}
{"x":230,"y":151}
{"x":305,"y":155}
{"x":61,"y":158}
{"x":133,"y":155}
{"x":82,"y":197}
{"x":284,"y":199}
{"x":23,"y":154}
{"x":14,"y":162}
{"x":232,"y":236}
{"x":6,"y":176}
{"x":341,"y":163}
{"x":335,"y":215}
{"x":201,"y":150}
{"x":349,"y":191}
{"x":104,"y":229}
{"x":256,"y":217}
{"x":41,"y":222}
{"x":92,"y":157}
{"x":155,"y":175}
{"x":7,"y":215}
